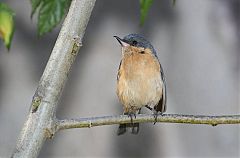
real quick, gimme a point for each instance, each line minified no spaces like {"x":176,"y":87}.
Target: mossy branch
{"x":144,"y":118}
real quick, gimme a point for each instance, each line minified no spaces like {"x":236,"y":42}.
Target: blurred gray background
{"x":198,"y":44}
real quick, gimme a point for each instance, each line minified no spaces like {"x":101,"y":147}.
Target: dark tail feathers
{"x":123,"y":128}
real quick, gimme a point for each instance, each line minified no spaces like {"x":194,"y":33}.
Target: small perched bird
{"x":140,"y":80}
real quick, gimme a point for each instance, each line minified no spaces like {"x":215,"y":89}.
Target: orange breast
{"x":139,"y":81}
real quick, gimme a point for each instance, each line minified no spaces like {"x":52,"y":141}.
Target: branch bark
{"x":42,"y":112}
{"x":143,"y":118}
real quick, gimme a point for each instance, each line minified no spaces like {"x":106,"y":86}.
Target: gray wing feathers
{"x":162,"y":104}
{"x":164,"y":96}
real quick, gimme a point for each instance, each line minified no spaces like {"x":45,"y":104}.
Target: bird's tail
{"x":134,"y":127}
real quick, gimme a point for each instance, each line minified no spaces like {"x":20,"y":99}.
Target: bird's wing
{"x":162,"y":104}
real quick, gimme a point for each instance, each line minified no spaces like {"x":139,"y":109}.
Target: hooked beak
{"x":123,"y":43}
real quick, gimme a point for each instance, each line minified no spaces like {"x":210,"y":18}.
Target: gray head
{"x":137,"y":41}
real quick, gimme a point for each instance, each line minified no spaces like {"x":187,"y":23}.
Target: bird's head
{"x":136,"y":42}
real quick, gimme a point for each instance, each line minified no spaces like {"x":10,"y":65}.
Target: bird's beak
{"x":121,"y":41}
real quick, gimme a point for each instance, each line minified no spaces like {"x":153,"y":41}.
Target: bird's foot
{"x":131,"y":115}
{"x":155,"y":114}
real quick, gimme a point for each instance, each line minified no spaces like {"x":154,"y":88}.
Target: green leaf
{"x":6,"y":24}
{"x":35,"y":4}
{"x":173,"y":2}
{"x":50,"y":14}
{"x":144,"y":5}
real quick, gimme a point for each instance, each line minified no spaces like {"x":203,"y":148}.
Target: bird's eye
{"x":134,"y":43}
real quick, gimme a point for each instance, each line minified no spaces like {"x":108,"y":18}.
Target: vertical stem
{"x":42,"y":113}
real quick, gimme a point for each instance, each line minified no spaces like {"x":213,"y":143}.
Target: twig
{"x":143,"y":118}
{"x":42,"y":113}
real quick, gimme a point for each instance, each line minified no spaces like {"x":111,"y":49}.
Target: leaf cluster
{"x":50,"y":13}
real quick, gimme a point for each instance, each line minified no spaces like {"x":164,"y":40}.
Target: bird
{"x":140,"y":80}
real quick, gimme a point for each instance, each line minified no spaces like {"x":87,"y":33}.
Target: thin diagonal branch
{"x":143,"y":118}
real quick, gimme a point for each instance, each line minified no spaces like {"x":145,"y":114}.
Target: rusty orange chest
{"x":139,"y":79}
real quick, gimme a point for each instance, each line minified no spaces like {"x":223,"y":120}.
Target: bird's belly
{"x":139,"y":92}
{"x":139,"y":81}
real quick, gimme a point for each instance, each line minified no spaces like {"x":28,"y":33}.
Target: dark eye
{"x":134,"y":43}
